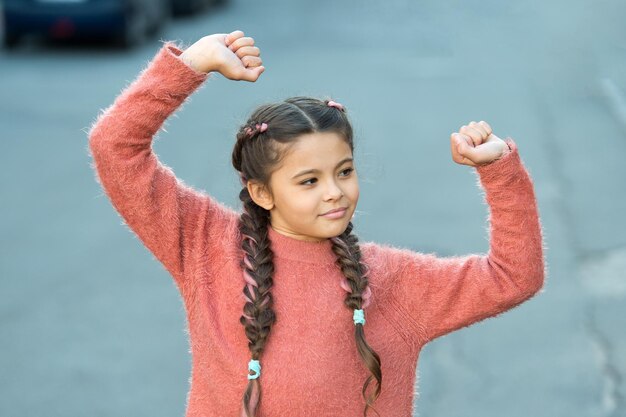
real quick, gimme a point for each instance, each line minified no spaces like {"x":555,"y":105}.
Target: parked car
{"x":129,"y":22}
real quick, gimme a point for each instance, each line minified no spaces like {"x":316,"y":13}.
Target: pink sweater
{"x":310,"y":366}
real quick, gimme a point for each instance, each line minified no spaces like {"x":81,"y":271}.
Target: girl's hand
{"x":476,"y":145}
{"x":232,"y":55}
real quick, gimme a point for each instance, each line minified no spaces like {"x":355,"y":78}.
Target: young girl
{"x":274,"y":293}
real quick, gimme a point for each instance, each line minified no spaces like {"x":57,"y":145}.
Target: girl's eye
{"x":344,"y":173}
{"x":347,"y":171}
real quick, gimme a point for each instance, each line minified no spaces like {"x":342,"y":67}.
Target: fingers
{"x":244,"y":64}
{"x":247,"y":50}
{"x":232,"y":36}
{"x":475,"y":144}
{"x":243,"y":47}
{"x":474,"y":135}
{"x":251,"y":61}
{"x":477,"y":132}
{"x":474,"y":132}
{"x":486,"y":126}
{"x":463,"y":150}
{"x":239,"y":42}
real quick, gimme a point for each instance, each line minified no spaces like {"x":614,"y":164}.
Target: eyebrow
{"x":311,"y":171}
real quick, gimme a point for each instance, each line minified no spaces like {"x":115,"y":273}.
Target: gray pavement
{"x":91,"y":324}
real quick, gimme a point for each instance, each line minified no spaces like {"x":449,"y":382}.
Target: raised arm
{"x":164,"y":213}
{"x":434,"y":295}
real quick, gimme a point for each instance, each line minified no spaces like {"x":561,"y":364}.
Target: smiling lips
{"x":335,"y":213}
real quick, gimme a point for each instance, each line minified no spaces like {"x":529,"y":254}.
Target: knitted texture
{"x":310,"y":366}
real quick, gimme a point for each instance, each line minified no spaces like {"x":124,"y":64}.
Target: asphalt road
{"x":91,"y":324}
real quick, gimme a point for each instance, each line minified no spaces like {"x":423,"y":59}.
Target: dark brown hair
{"x":255,"y":155}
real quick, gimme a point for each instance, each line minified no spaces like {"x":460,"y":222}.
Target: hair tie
{"x":262,"y":127}
{"x":358,"y":317}
{"x":254,"y":366}
{"x":331,"y":103}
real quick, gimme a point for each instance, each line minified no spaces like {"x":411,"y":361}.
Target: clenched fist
{"x":476,"y":145}
{"x":232,"y":55}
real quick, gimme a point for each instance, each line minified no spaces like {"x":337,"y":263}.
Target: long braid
{"x":346,"y":247}
{"x":258,"y":268}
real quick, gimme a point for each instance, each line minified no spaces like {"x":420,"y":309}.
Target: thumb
{"x":463,"y":146}
{"x":252,"y":74}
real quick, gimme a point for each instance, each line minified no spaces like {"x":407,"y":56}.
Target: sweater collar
{"x":301,"y":250}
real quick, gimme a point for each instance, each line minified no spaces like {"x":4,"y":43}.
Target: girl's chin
{"x":323,"y":231}
{"x":336,"y":229}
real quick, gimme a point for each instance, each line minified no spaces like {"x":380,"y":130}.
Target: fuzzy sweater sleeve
{"x":434,"y":295}
{"x":159,"y":208}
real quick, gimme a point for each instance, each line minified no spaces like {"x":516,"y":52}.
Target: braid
{"x":346,"y":247}
{"x":246,"y":133}
{"x":258,"y":268}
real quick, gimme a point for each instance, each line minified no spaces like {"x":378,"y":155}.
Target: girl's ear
{"x":260,"y":195}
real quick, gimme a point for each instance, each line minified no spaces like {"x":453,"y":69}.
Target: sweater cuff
{"x":171,"y":75}
{"x":503,"y":171}
{"x":176,"y":50}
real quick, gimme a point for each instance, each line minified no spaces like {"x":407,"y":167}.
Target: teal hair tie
{"x":358,"y":317}
{"x":255,"y":366}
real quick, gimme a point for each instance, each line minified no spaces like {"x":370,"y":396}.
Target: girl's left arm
{"x":435,"y":296}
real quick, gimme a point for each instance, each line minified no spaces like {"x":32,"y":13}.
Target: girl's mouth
{"x":336,"y":213}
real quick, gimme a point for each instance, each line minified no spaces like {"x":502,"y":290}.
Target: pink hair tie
{"x":260,"y":127}
{"x":335,"y":104}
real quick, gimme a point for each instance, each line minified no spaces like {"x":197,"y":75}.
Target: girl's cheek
{"x":303,"y":202}
{"x":354,"y":191}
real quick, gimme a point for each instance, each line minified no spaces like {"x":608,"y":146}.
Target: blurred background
{"x":90,"y":322}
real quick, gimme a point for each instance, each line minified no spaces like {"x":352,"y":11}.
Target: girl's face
{"x":317,"y":175}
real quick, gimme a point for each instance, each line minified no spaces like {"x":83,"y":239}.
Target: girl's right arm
{"x":164,"y":212}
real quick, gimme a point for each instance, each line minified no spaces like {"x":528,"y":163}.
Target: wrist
{"x":188,"y":60}
{"x":193,"y":62}
{"x":505,"y":151}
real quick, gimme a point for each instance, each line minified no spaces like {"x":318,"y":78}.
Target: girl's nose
{"x":333,"y":192}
